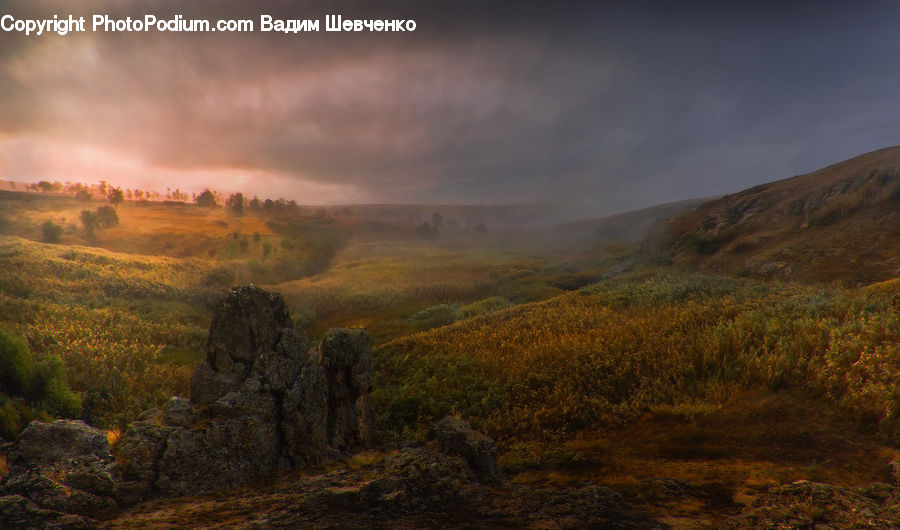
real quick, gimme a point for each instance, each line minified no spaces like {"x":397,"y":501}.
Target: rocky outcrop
{"x":806,"y":504}
{"x":410,"y":486}
{"x":58,"y":470}
{"x":263,"y":400}
{"x":457,"y":437}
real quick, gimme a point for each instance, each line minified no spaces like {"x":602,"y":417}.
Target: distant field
{"x":608,"y":353}
{"x":538,"y":348}
{"x":126,"y":308}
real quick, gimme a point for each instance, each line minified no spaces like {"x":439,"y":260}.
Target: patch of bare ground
{"x":702,"y":466}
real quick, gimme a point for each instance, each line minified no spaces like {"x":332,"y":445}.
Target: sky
{"x":607,"y":106}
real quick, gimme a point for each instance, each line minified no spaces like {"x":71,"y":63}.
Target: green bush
{"x":488,"y":305}
{"x":41,"y":382}
{"x":16,"y":365}
{"x":107,"y":216}
{"x":435,"y":316}
{"x":52,"y":231}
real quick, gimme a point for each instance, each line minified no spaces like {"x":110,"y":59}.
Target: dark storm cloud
{"x":617,"y":104}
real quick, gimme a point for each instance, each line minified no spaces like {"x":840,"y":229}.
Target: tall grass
{"x":602,"y":356}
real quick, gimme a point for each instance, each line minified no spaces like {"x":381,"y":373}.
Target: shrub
{"x":107,"y":216}
{"x":42,"y":383}
{"x":427,"y":231}
{"x":206,"y":199}
{"x":89,"y":221}
{"x":488,"y":305}
{"x":115,"y":196}
{"x":15,"y":365}
{"x":435,"y":316}
{"x":235,"y":203}
{"x":52,"y":231}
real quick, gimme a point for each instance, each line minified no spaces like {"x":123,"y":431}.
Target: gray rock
{"x":19,"y":512}
{"x":208,"y":384}
{"x":42,"y":443}
{"x":305,"y":415}
{"x":179,"y":412}
{"x":345,"y":355}
{"x":261,"y":401}
{"x":63,"y":466}
{"x":247,"y":323}
{"x":457,"y":437}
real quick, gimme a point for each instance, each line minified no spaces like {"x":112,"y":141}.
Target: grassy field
{"x":126,"y":308}
{"x":608,"y":353}
{"x":573,"y":360}
{"x":584,"y":365}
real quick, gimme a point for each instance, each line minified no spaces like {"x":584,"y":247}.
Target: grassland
{"x":584,"y":365}
{"x":608,"y":353}
{"x":126,"y":308}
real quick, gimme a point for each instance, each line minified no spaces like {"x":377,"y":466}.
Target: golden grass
{"x":611,"y":352}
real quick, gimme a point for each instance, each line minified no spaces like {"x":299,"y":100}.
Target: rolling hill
{"x":837,"y":224}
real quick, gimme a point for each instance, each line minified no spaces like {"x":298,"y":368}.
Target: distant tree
{"x":115,"y":196}
{"x":45,"y":186}
{"x":107,"y":217}
{"x":269,"y":205}
{"x":427,"y":231}
{"x":89,"y":221}
{"x":206,"y":199}
{"x":255,"y":204}
{"x":437,"y":220}
{"x":480,"y":229}
{"x":235,"y":203}
{"x":83,"y":195}
{"x":52,"y":231}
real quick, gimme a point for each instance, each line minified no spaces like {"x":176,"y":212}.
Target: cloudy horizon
{"x":615,"y":105}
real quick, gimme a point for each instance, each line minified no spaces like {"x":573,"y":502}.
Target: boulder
{"x":263,"y":400}
{"x":179,"y":412}
{"x":247,"y":323}
{"x":41,"y":443}
{"x":346,"y":359}
{"x":17,"y":511}
{"x":62,"y":466}
{"x":457,"y":437}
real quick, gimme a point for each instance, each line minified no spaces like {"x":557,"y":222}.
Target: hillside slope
{"x":839,"y":223}
{"x":627,"y":227}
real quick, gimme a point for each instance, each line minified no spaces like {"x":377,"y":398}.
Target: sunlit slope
{"x":607,"y":353}
{"x":839,"y":223}
{"x":127,"y":327}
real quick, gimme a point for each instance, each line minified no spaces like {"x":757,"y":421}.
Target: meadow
{"x":573,"y":359}
{"x":126,"y":309}
{"x":608,"y":353}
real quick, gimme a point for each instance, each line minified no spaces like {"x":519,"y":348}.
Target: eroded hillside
{"x":841,"y":223}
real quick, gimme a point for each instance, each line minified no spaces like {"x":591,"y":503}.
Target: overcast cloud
{"x":619,"y":105}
